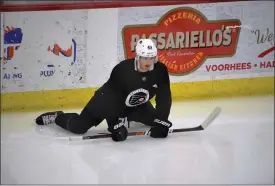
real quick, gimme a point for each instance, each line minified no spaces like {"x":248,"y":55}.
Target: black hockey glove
{"x":119,"y":131}
{"x":160,"y":129}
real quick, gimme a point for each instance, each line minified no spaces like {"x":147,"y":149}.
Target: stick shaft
{"x":203,"y":126}
{"x":143,"y":133}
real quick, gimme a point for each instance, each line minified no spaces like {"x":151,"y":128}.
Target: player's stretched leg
{"x":91,"y":115}
{"x":78,"y":123}
{"x":73,"y":122}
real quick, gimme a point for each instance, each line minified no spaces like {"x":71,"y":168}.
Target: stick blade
{"x":212,"y":116}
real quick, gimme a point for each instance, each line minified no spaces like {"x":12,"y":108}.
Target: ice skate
{"x":47,"y":118}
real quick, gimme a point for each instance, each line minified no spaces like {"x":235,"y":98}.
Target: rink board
{"x":60,"y":63}
{"x":77,"y":98}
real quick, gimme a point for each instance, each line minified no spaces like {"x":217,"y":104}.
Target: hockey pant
{"x":101,"y":107}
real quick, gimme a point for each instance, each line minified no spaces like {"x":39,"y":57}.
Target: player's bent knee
{"x":73,"y":123}
{"x":78,"y":125}
{"x":78,"y":130}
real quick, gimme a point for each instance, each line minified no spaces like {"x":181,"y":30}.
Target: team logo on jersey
{"x":137,"y":97}
{"x":143,"y":78}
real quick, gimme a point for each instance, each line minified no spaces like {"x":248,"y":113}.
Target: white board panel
{"x":45,"y":50}
{"x":52,"y":50}
{"x":102,"y":45}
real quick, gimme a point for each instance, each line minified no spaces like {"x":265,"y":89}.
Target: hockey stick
{"x":203,"y":126}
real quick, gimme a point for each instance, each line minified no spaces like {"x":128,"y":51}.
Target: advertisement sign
{"x":44,"y":50}
{"x":185,"y":39}
{"x":205,"y":41}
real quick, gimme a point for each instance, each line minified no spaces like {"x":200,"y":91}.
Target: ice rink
{"x":238,"y":148}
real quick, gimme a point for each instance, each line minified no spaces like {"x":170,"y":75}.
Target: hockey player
{"x":124,"y":98}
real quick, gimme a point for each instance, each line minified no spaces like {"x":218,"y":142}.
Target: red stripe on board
{"x":96,"y":5}
{"x":266,"y":52}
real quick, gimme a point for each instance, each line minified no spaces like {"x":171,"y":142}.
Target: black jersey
{"x":135,"y":88}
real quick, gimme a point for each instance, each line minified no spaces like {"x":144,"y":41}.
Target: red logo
{"x":141,"y":99}
{"x":185,"y":39}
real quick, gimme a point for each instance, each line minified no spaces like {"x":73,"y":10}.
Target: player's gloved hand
{"x":119,"y":131}
{"x":160,"y":129}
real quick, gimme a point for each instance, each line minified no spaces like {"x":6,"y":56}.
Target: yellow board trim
{"x":78,"y":98}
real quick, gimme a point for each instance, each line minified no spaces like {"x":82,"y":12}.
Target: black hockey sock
{"x":64,"y":119}
{"x":73,"y":123}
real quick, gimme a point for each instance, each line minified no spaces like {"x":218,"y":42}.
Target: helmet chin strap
{"x":137,"y":64}
{"x":156,"y":59}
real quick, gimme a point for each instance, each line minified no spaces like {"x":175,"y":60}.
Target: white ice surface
{"x":238,"y":148}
